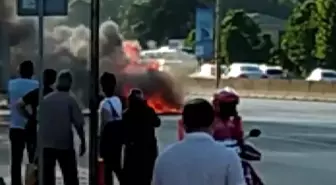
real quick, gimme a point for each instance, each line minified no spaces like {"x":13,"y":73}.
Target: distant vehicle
{"x":208,"y":71}
{"x":274,"y":72}
{"x":172,"y":60}
{"x":245,"y":70}
{"x":320,"y":74}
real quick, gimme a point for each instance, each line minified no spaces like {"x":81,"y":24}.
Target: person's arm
{"x":77,"y":119}
{"x":103,"y":117}
{"x":154,"y":118}
{"x":235,"y":174}
{"x":22,"y":103}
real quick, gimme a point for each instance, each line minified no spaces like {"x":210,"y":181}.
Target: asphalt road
{"x":298,"y":141}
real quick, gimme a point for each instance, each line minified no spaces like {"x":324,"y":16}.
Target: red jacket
{"x":230,"y":129}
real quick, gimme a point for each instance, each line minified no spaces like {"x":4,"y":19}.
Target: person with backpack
{"x":111,"y":131}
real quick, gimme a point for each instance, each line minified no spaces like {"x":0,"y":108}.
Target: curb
{"x":276,"y":97}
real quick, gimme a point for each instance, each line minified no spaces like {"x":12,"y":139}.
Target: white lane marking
{"x":297,"y":141}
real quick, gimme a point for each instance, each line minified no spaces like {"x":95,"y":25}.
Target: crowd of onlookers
{"x":127,"y":140}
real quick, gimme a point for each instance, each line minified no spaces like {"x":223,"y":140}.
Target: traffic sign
{"x":51,"y":7}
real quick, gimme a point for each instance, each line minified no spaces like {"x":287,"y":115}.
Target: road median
{"x":266,"y":88}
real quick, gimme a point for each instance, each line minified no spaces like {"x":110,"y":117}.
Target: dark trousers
{"x":110,"y":150}
{"x":112,"y":163}
{"x":139,"y":160}
{"x":19,"y":140}
{"x":67,"y":162}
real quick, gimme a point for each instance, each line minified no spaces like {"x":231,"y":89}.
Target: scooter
{"x":247,"y":153}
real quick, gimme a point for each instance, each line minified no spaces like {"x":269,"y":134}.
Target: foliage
{"x":241,"y":39}
{"x":162,"y":19}
{"x":299,"y":39}
{"x":189,"y":41}
{"x":310,"y":40}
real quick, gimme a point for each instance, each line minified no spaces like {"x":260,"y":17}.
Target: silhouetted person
{"x":17,"y":88}
{"x":31,"y":100}
{"x":59,"y":112}
{"x":141,"y":148}
{"x":111,"y":134}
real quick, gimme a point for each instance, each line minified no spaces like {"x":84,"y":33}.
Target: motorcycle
{"x":247,"y":153}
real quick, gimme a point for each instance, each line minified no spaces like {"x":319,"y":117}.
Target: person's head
{"x":136,"y":98}
{"x":64,"y":81}
{"x":108,"y":83}
{"x":26,"y":69}
{"x":198,"y":115}
{"x":49,"y":77}
{"x":225,"y":102}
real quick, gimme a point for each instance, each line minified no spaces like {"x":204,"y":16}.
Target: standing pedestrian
{"x":141,"y":147}
{"x":59,"y":111}
{"x":198,"y":159}
{"x":17,"y":88}
{"x":31,"y":100}
{"x":111,"y":131}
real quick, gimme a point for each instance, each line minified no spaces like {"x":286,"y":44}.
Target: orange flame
{"x":155,"y":100}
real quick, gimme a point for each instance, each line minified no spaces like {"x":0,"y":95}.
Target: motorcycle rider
{"x":228,"y":127}
{"x":227,"y":124}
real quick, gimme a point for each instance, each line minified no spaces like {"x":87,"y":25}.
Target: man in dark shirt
{"x":31,"y":100}
{"x":141,"y":148}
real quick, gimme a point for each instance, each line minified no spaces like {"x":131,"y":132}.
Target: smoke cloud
{"x":68,"y":47}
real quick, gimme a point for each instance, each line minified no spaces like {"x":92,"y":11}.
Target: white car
{"x":245,"y":70}
{"x":172,"y":60}
{"x":208,"y":71}
{"x":274,"y":72}
{"x":320,"y":74}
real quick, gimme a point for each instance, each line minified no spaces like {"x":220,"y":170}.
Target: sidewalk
{"x":83,"y":174}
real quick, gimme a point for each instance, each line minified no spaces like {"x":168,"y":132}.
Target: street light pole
{"x":40,"y":9}
{"x":217,"y":43}
{"x":94,"y":90}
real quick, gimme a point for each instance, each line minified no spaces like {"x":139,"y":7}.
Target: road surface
{"x":298,"y":141}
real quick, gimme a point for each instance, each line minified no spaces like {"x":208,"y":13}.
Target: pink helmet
{"x":226,"y":95}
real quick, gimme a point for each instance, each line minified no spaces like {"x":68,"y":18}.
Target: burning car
{"x":162,"y":92}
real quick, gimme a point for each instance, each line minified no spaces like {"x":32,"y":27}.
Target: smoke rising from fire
{"x":68,"y":47}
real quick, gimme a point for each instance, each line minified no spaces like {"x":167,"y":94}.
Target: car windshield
{"x":250,"y":69}
{"x":329,"y":74}
{"x":274,"y":72}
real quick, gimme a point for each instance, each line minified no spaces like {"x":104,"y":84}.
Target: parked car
{"x":320,"y":74}
{"x":273,"y":72}
{"x":245,"y":70}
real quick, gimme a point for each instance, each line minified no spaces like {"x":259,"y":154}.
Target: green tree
{"x":242,"y":39}
{"x":189,"y":41}
{"x":298,"y":42}
{"x":326,"y":33}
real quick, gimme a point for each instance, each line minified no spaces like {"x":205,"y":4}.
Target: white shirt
{"x":198,"y":160}
{"x":17,"y":88}
{"x":117,"y":105}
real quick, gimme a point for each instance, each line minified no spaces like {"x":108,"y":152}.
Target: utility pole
{"x":4,"y":56}
{"x":94,"y":90}
{"x":217,"y":43}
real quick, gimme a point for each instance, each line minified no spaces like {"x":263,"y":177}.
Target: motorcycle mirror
{"x":254,"y":133}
